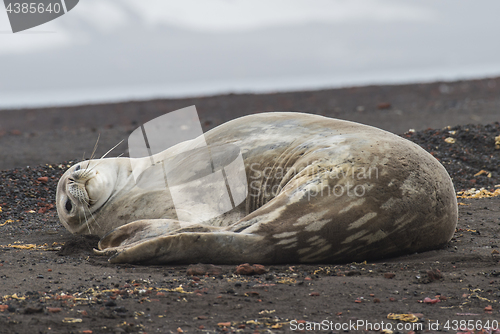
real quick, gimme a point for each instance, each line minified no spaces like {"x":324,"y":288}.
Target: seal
{"x":319,"y":190}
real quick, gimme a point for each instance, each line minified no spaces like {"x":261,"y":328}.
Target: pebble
{"x":428,"y":300}
{"x":434,"y":274}
{"x":384,"y":105}
{"x":252,"y":294}
{"x":54,"y":309}
{"x":33,"y":310}
{"x":203,"y":269}
{"x":247,"y":269}
{"x":43,"y":179}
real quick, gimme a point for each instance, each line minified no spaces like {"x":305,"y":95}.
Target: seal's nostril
{"x":68,"y":205}
{"x":77,"y":167}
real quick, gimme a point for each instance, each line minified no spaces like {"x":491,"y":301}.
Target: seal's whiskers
{"x":95,"y":148}
{"x":105,"y":154}
{"x":86,"y":221}
{"x":87,"y":170}
{"x":88,"y":208}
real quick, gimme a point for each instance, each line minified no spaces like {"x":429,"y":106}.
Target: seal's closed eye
{"x":77,"y":167}
{"x":68,"y":205}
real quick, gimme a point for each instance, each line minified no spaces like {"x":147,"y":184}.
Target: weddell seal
{"x":318,"y":190}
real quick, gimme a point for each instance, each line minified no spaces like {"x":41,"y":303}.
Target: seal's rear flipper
{"x":193,"y":247}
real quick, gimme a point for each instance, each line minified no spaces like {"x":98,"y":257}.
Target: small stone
{"x":450,"y":140}
{"x":43,"y":179}
{"x":33,"y":310}
{"x":54,"y":309}
{"x":252,"y":294}
{"x":434,"y":275}
{"x":376,"y":300}
{"x":224,"y":324}
{"x":428,"y":300}
{"x":110,"y":303}
{"x":203,"y":269}
{"x":259,"y":269}
{"x":488,"y":308}
{"x":202,"y":317}
{"x":314,"y":294}
{"x":383,"y":105}
{"x":247,"y":269}
{"x":389,"y":275}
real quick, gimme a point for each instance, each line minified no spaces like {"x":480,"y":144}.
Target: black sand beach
{"x":51,"y":282}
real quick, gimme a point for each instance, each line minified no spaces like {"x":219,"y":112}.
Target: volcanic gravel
{"x":471,"y":150}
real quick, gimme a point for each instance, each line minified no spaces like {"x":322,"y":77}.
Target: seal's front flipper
{"x":193,"y":247}
{"x":134,"y":232}
{"x":139,"y":231}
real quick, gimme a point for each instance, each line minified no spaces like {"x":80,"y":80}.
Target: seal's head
{"x":83,"y":190}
